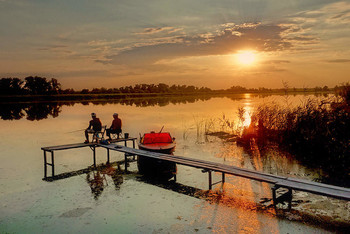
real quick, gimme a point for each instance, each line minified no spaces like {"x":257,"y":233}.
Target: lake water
{"x":128,"y":203}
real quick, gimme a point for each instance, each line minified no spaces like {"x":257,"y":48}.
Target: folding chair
{"x":115,"y":136}
{"x":99,"y":135}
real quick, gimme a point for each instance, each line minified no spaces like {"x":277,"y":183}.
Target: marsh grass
{"x":317,"y":132}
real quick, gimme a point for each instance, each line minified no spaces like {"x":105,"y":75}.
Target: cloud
{"x":338,"y":61}
{"x":60,"y":50}
{"x":277,"y":61}
{"x":227,"y":40}
{"x":167,"y":30}
{"x":332,"y":15}
{"x":99,"y":43}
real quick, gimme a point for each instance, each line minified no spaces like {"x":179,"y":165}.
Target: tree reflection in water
{"x":32,"y":111}
{"x":11,"y":112}
{"x":42,"y":110}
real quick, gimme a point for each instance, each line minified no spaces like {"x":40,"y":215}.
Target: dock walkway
{"x":276,"y":181}
{"x":92,"y":146}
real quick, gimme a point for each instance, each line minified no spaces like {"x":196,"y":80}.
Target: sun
{"x":246,"y":57}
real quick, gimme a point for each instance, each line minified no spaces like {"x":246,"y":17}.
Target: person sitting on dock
{"x":116,"y":127}
{"x":95,"y":125}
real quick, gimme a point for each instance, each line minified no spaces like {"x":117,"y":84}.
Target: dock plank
{"x":67,"y":146}
{"x":303,"y":181}
{"x":320,"y":190}
{"x":280,"y":181}
{"x":250,"y":174}
{"x":80,"y":145}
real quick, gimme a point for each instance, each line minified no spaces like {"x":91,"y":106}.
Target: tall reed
{"x":318,"y":133}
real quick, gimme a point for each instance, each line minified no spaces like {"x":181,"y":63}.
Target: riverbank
{"x":117,"y":96}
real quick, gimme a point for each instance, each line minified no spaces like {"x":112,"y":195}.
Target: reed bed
{"x":317,"y":133}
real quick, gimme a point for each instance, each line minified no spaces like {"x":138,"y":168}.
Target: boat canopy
{"x":152,"y":138}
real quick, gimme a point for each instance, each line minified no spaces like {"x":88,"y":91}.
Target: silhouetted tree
{"x":11,"y":86}
{"x":39,"y":85}
{"x":36,"y":85}
{"x":55,"y":87}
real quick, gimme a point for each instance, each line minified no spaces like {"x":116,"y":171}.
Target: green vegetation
{"x":317,"y":133}
{"x":30,"y":86}
{"x":38,"y":88}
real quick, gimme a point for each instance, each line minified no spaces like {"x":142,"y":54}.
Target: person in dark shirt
{"x":95,"y":125}
{"x":116,"y":127}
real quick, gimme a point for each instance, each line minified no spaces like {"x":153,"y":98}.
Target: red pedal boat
{"x":157,"y":142}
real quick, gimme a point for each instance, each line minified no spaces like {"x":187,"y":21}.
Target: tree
{"x":37,"y":85}
{"x":84,"y":91}
{"x":11,"y":86}
{"x":163,"y":88}
{"x":55,"y":87}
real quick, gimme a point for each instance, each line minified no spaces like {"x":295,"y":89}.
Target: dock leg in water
{"x":52,"y":164}
{"x":93,"y":148}
{"x":210,"y":179}
{"x":108,"y":156}
{"x":45,"y":166}
{"x":286,"y":197}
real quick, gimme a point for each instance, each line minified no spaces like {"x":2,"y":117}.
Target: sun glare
{"x":246,"y":57}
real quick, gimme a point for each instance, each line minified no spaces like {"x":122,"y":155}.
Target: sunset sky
{"x":213,"y":43}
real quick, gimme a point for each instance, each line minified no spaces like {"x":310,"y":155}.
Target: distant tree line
{"x":151,"y":88}
{"x":43,"y":86}
{"x":30,"y":85}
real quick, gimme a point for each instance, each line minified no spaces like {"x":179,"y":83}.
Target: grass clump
{"x":318,"y":133}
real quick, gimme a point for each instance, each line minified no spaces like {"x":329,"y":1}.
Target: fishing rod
{"x":77,"y":130}
{"x":161,"y":129}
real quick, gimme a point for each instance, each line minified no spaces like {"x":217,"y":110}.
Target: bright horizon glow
{"x":246,"y":57}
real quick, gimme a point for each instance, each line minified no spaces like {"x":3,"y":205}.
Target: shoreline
{"x":8,"y":99}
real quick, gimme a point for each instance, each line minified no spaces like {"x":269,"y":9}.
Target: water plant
{"x":317,"y":132}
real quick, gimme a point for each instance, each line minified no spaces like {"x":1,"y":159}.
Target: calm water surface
{"x":127,"y":203}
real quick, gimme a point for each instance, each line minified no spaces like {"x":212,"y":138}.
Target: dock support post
{"x":107,"y":155}
{"x":133,"y":146}
{"x":94,"y":154}
{"x":223,"y":178}
{"x":210,"y":180}
{"x":273,"y":190}
{"x":45,"y":165}
{"x":53,"y":164}
{"x":126,"y":162}
{"x":288,"y":196}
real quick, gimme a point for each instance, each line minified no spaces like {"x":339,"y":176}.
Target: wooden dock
{"x":92,"y":146}
{"x":276,"y":181}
